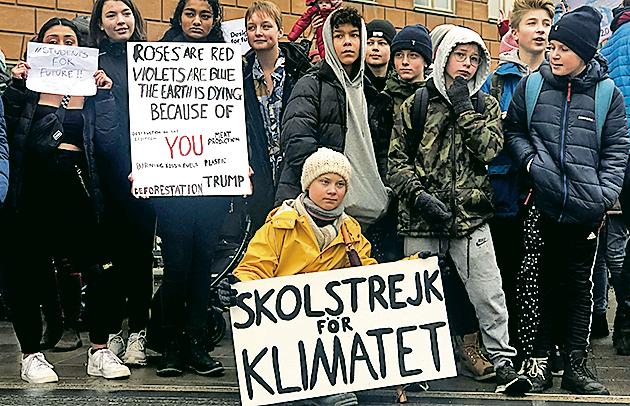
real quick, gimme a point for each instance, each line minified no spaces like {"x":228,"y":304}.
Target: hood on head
{"x":331,"y":56}
{"x":457,"y":36}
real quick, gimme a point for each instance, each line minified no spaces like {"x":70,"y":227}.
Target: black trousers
{"x":129,"y":229}
{"x":566,"y":301}
{"x":189,"y":228}
{"x":56,"y":220}
{"x":507,"y":236}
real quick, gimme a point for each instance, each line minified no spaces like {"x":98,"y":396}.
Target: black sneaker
{"x":556,"y":359}
{"x":599,"y":326}
{"x":171,"y":361}
{"x":69,"y":341}
{"x":197,"y":357}
{"x":539,"y":374}
{"x":578,"y":378}
{"x":622,"y":343}
{"x":510,"y":382}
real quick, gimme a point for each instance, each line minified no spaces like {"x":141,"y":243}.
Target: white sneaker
{"x":104,"y":363}
{"x":35,"y":369}
{"x":136,"y":354}
{"x":116,"y":344}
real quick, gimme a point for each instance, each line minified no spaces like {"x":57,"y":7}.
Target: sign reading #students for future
{"x":310,"y":335}
{"x":235,"y":31}
{"x":187,"y":119}
{"x":59,"y":69}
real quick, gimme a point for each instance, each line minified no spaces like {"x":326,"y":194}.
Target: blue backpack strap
{"x":603,"y":98}
{"x":532,"y":91}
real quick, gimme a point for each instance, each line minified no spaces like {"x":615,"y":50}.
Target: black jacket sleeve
{"x":300,"y":135}
{"x":14,"y":97}
{"x":515,"y":129}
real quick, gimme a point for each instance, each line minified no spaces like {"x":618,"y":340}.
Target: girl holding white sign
{"x":129,"y":223}
{"x":189,"y":228}
{"x":54,"y":203}
{"x":308,"y":234}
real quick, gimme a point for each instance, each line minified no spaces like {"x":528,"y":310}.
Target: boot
{"x":578,"y":378}
{"x":622,"y":343}
{"x":197,"y":357}
{"x":472,"y":361}
{"x":52,"y":333}
{"x":69,"y":341}
{"x":599,"y":326}
{"x":171,"y":363}
{"x":538,"y":371}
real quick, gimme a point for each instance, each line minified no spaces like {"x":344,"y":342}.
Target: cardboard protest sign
{"x":317,"y":334}
{"x":61,"y":69}
{"x":187,"y":119}
{"x":234,"y":31}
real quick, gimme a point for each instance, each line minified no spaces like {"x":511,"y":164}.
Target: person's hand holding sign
{"x":20,"y":71}
{"x":102,"y":80}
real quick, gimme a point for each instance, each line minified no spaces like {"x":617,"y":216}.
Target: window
{"x":439,"y":5}
{"x":495,"y":5}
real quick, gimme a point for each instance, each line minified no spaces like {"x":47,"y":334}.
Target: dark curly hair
{"x":215,"y":35}
{"x":346,"y":15}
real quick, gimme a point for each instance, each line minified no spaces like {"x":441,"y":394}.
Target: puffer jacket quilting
{"x":576,"y":176}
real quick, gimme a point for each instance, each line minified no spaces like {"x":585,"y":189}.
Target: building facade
{"x":20,"y":19}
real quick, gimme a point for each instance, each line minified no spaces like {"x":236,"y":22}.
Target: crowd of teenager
{"x":390,"y":144}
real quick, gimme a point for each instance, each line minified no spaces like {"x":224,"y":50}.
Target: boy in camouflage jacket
{"x":441,"y":179}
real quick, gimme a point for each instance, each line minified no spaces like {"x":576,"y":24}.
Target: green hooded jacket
{"x":450,"y":160}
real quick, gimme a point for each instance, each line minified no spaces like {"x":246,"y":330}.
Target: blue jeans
{"x":610,"y":255}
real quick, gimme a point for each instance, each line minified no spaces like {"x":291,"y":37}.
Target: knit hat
{"x":579,"y":30}
{"x":414,"y":38}
{"x":381,"y":29}
{"x":323,"y":161}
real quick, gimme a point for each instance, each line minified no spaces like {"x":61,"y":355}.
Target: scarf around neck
{"x":324,"y":235}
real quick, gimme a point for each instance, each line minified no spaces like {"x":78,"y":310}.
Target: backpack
{"x":421,"y":104}
{"x":603,"y":98}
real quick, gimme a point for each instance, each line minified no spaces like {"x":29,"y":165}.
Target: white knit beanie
{"x":325,"y":160}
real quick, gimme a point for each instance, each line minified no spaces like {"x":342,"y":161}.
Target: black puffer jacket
{"x":576,"y":176}
{"x":296,"y":64}
{"x":316,"y":117}
{"x":99,"y":126}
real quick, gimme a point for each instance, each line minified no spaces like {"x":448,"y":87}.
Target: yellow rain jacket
{"x":286,"y":245}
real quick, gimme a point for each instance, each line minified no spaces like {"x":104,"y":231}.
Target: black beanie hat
{"x":381,"y":29}
{"x":579,"y":31}
{"x":414,"y":38}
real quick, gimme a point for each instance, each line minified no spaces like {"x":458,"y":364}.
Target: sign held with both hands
{"x":317,"y":334}
{"x":64,"y":70}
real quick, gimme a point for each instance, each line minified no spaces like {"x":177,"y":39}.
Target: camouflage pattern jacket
{"x":449,"y":163}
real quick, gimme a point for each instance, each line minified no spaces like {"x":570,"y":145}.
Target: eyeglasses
{"x":461,"y":57}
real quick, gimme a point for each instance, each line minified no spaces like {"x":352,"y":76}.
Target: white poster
{"x":234,"y":31}
{"x":604,"y":6}
{"x":317,"y":334}
{"x":187,"y":119}
{"x":61,"y":69}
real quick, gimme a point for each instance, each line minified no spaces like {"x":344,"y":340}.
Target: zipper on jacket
{"x":563,"y":133}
